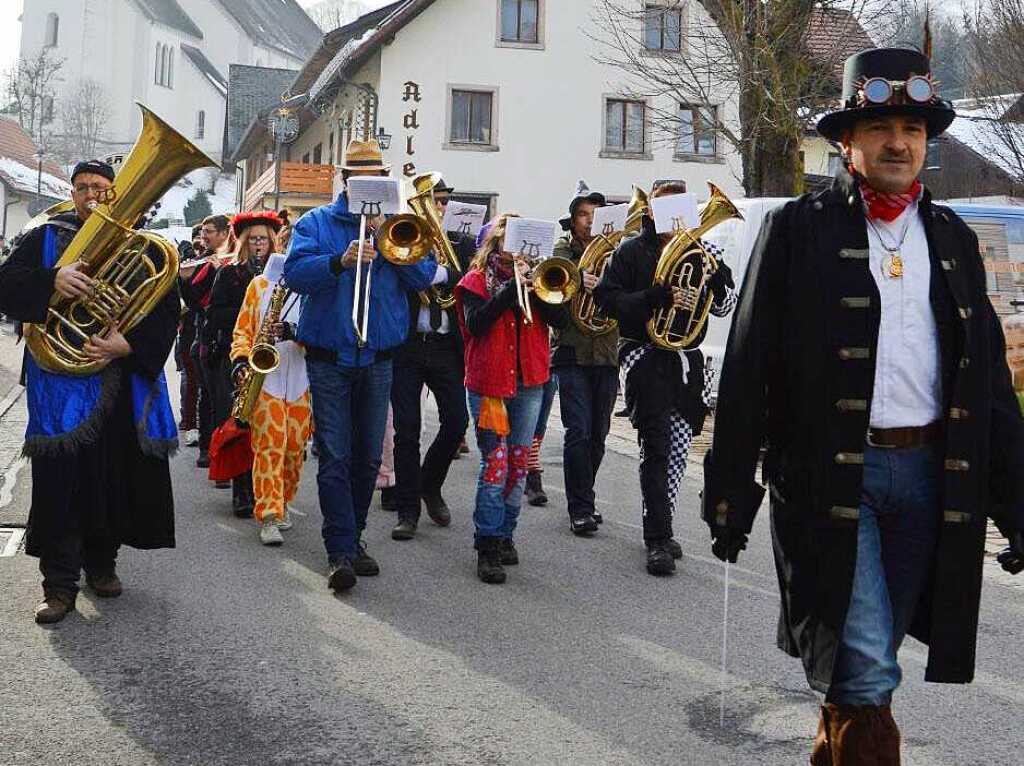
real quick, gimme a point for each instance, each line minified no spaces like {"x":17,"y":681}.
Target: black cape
{"x":107,"y":487}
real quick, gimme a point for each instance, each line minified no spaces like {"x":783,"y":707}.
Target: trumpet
{"x":555,"y":280}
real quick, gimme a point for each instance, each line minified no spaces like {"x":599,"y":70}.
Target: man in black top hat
{"x":866,"y":356}
{"x":432,"y":357}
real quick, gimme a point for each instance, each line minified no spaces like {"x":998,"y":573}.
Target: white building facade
{"x":505,"y":98}
{"x":171,"y":55}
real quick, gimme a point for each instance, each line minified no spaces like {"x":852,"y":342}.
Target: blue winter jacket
{"x":326,"y":319}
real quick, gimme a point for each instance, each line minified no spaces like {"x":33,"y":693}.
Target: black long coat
{"x":99,"y":482}
{"x":799,"y":377}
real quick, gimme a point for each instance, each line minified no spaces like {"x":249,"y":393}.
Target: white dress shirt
{"x":423,"y":318}
{"x":908,"y":381}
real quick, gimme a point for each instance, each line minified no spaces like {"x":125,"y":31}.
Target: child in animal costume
{"x":281,"y":419}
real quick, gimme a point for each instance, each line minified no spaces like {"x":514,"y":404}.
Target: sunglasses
{"x":878,"y":91}
{"x":258,"y":239}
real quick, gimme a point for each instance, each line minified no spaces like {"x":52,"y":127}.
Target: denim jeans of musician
{"x":499,"y":488}
{"x":587,"y":397}
{"x":896,"y":538}
{"x":434,"y":361}
{"x":350,"y":409}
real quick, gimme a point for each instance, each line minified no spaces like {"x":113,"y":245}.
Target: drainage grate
{"x":11,"y":540}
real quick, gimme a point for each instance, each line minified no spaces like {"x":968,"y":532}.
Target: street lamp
{"x":283,"y":124}
{"x":384,"y":139}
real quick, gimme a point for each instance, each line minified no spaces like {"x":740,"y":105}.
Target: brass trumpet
{"x":555,"y":280}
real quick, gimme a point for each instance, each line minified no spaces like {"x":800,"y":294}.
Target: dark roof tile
{"x":251,"y":89}
{"x":280,"y":24}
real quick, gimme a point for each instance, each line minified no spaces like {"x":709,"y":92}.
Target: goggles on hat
{"x":879,"y":91}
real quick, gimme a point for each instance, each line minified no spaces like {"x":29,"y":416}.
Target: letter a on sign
{"x":412,"y":92}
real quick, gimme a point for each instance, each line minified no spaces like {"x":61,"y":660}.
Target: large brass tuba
{"x":585,"y":313}
{"x":686,"y":263}
{"x":131,"y":270}
{"x":422,"y":204}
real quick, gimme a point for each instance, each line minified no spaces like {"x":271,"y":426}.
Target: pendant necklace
{"x":892,"y":265}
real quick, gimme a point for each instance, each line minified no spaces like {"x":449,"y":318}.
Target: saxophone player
{"x":280,"y":421}
{"x":666,"y":391}
{"x":99,"y":443}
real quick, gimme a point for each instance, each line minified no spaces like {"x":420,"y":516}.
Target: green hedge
{"x":1020,"y":398}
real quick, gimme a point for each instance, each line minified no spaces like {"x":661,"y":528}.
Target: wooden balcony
{"x":302,"y":186}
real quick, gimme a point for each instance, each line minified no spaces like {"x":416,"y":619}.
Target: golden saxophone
{"x":264,"y":358}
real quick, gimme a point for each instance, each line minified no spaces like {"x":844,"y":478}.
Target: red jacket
{"x":491,"y":359}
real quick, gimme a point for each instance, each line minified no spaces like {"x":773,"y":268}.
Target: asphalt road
{"x":225,"y":652}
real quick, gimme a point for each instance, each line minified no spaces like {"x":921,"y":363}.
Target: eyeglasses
{"x":96,"y":189}
{"x":878,"y":91}
{"x":259,"y":240}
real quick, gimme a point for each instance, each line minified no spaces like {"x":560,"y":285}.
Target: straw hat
{"x":364,"y":155}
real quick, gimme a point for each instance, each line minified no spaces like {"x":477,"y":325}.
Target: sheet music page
{"x":674,"y":212}
{"x":373,"y":195}
{"x":610,"y":219}
{"x":464,"y":218}
{"x":533,"y":237}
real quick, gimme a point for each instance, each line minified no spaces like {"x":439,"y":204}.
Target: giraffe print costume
{"x":281,"y":420}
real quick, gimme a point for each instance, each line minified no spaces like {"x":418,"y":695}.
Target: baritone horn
{"x":423,"y":205}
{"x":687,"y":264}
{"x":585,"y":314}
{"x":131,"y":270}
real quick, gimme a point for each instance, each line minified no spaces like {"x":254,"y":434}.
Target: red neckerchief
{"x":886,"y":206}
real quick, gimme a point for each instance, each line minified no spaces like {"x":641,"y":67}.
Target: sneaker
{"x":488,"y":564}
{"x":659,"y":560}
{"x":387,"y":499}
{"x":270,"y":533}
{"x":54,"y":608}
{"x":583,"y":526}
{"x":507,"y":553}
{"x":104,"y":584}
{"x":674,"y":548}
{"x":192,"y":438}
{"x":340,"y":576}
{"x":535,"y":494}
{"x":203,"y":461}
{"x":437,"y":510}
{"x":285,"y":522}
{"x":364,"y":564}
{"x":404,"y":530}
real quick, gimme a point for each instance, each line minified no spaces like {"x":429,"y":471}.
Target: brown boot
{"x":54,"y":608}
{"x":858,"y":736}
{"x":104,"y":584}
{"x":821,"y":752}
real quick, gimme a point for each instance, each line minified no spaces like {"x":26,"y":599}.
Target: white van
{"x":1000,"y":230}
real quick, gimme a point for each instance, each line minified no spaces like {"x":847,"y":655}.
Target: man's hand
{"x":280,"y":331}
{"x":1012,"y":558}
{"x":589,"y":281}
{"x":348,"y":260}
{"x":106,"y":350}
{"x":684,"y":298}
{"x":71,"y":282}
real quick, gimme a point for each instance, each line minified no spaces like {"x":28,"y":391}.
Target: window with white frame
{"x":835,"y":161}
{"x":520,"y":21}
{"x":697,"y":130}
{"x":158,"y":65}
{"x":52,"y":30}
{"x":169,"y":80}
{"x":201,"y":124}
{"x":625,"y":126}
{"x":663,"y":27}
{"x":471,"y":118}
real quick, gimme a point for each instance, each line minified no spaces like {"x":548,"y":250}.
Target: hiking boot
{"x":54,"y":608}
{"x":659,"y":560}
{"x":364,"y":564}
{"x":856,"y":734}
{"x":437,"y":510}
{"x":387,"y":499}
{"x":535,"y":494}
{"x":583,"y":526}
{"x":270,"y":532}
{"x":405,"y":529}
{"x":674,"y":548}
{"x":488,"y":563}
{"x":203,"y":461}
{"x":507,"y":553}
{"x":340,"y":576}
{"x":104,"y":584}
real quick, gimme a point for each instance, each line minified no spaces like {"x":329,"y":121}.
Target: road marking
{"x":10,"y":478}
{"x":12,"y":396}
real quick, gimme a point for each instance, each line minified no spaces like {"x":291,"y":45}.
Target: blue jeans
{"x":350,"y":410}
{"x":896,"y":538}
{"x":499,"y":488}
{"x":587,"y":398}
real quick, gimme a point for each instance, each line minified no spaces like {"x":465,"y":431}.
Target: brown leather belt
{"x":906,"y":438}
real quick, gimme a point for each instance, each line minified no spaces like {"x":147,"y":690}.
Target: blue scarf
{"x":68,"y":412}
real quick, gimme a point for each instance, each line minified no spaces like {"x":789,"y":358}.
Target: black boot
{"x":583,"y":526}
{"x":507,"y":553}
{"x":488,"y":565}
{"x":659,"y":559}
{"x":405,"y":529}
{"x":241,"y":496}
{"x":535,"y":494}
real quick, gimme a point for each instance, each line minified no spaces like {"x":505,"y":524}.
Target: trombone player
{"x":349,"y":375}
{"x":666,"y":391}
{"x":99,"y":443}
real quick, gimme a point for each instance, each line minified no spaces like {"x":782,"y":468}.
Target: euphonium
{"x":131,"y":270}
{"x":686,"y":263}
{"x":422,"y":204}
{"x":585,"y":313}
{"x":264,"y":358}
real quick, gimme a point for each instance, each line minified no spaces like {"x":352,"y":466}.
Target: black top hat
{"x":884,"y":81}
{"x":442,"y":188}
